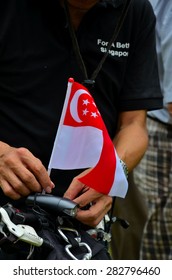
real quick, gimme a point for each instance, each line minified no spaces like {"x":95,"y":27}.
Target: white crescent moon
{"x":74,"y":104}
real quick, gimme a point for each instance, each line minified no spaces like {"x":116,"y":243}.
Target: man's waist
{"x":159,"y":121}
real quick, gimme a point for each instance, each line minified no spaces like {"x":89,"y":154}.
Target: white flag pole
{"x":69,"y":86}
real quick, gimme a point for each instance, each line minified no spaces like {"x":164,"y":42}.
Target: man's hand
{"x":169,"y":108}
{"x":98,"y":204}
{"x":21,"y":173}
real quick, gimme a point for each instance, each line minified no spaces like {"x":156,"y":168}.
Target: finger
{"x":89,"y":196}
{"x":37,"y":168}
{"x":28,"y":180}
{"x":20,"y":178}
{"x":21,"y":187}
{"x":75,"y":188}
{"x":89,"y":217}
{"x":41,"y":175}
{"x":29,"y":169}
{"x":12,"y":181}
{"x":9,"y":191}
{"x":96,"y":212}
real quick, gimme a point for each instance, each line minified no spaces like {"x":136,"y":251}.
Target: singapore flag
{"x":82,"y":141}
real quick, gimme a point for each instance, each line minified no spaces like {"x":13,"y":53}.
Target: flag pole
{"x":49,"y":173}
{"x":69,"y":86}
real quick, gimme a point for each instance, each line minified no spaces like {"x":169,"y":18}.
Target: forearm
{"x":131,"y":141}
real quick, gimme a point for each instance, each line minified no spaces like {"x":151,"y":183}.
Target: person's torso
{"x":37,"y":58}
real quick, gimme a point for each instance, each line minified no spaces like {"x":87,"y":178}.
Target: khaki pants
{"x":125,"y":244}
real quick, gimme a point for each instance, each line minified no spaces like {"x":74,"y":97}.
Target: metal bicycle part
{"x":69,"y":246}
{"x":24,"y":233}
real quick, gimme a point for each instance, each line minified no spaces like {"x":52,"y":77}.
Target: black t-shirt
{"x":37,"y":58}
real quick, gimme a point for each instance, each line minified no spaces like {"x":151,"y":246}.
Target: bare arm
{"x":130,"y":142}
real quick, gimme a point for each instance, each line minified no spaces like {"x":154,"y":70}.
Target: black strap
{"x":76,"y":46}
{"x":75,"y":42}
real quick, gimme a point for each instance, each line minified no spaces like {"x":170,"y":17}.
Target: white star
{"x":85,"y":112}
{"x":94,"y":114}
{"x":85,"y":102}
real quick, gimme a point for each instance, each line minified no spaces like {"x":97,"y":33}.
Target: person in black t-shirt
{"x":36,"y":60}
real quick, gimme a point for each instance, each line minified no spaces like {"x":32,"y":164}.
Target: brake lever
{"x":24,"y":233}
